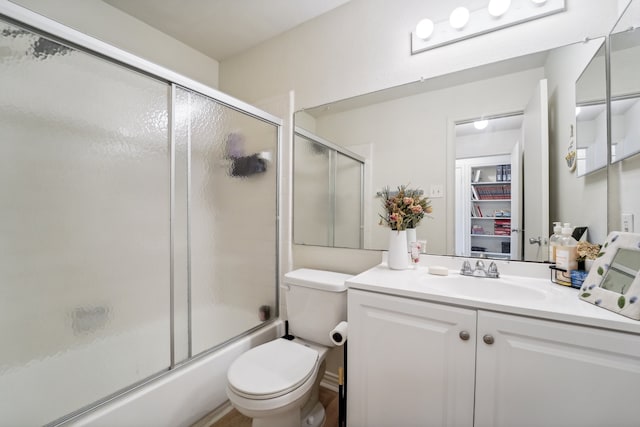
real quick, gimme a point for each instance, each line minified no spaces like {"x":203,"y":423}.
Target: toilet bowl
{"x":277,"y":384}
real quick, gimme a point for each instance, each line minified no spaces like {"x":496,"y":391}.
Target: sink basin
{"x":488,"y":289}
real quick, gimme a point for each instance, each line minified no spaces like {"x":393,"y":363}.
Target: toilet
{"x":277,"y":383}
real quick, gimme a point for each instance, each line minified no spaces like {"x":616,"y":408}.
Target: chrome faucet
{"x":480,"y":270}
{"x":492,"y":271}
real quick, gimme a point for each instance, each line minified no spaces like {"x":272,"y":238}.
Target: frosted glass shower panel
{"x":312,"y":193}
{"x":232,"y":221}
{"x":84,"y":226}
{"x":348,"y":202}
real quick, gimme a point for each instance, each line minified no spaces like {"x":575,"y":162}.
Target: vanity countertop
{"x":529,"y":295}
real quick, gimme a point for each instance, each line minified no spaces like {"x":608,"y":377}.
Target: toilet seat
{"x":272,"y":369}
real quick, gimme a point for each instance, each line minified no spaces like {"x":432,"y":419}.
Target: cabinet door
{"x":407,"y":364}
{"x":541,"y":373}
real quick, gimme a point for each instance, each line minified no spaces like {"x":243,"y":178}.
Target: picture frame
{"x":613,"y":282}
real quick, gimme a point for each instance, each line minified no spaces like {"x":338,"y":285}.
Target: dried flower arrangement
{"x":403,"y":208}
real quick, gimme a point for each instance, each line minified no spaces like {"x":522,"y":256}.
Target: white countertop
{"x":532,"y":295}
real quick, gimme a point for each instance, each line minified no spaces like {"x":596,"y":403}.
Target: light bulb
{"x":459,"y":18}
{"x":498,"y":8}
{"x":424,"y":29}
{"x":480,"y":124}
{"x":578,"y":109}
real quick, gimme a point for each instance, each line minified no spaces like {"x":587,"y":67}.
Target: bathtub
{"x":175,"y":398}
{"x":182,"y":396}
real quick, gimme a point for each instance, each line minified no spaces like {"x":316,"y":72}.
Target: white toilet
{"x":277,"y":383}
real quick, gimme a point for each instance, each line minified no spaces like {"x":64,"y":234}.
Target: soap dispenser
{"x":566,"y":255}
{"x":554,"y":241}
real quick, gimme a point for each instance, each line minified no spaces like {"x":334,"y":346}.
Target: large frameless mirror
{"x":406,"y":134}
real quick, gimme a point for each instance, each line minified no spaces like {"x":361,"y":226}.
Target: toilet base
{"x":315,"y":418}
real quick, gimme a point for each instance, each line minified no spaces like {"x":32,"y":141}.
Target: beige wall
{"x":110,"y":25}
{"x":363,"y":46}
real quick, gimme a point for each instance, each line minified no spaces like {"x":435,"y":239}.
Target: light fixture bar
{"x":480,"y":22}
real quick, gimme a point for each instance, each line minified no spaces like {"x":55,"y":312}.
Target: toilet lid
{"x":272,"y":369}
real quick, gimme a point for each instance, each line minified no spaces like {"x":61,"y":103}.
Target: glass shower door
{"x":84,"y":226}
{"x":230,"y":200}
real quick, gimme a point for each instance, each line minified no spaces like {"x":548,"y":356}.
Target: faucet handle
{"x":479,"y":270}
{"x":466,"y":269}
{"x":493,"y":270}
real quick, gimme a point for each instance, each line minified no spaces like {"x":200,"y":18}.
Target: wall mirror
{"x":407,"y":136}
{"x":625,"y":84}
{"x":591,"y":116}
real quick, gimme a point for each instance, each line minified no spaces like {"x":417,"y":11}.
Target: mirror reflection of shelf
{"x":491,"y":191}
{"x":485,"y":225}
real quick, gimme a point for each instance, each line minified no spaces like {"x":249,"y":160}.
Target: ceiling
{"x":221,"y":29}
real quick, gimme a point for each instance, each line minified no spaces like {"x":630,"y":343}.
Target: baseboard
{"x":330,"y":381}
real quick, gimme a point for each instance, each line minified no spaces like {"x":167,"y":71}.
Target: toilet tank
{"x":316,"y":302}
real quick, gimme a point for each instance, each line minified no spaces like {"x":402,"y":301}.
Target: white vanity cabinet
{"x":407,"y":363}
{"x":533,"y":372}
{"x":411,"y":363}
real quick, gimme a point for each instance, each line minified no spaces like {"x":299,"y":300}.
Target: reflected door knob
{"x":464,"y":335}
{"x":488,"y":339}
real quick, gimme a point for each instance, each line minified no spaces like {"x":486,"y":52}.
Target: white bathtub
{"x":182,"y":397}
{"x":177,"y":398}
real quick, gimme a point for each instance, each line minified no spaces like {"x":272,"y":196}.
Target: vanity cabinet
{"x":413,"y":362}
{"x":407,"y":364}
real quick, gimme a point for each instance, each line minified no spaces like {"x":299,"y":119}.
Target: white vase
{"x":411,"y":237}
{"x":398,"y":256}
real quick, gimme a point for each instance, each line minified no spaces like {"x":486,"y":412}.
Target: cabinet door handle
{"x":464,"y":335}
{"x":488,"y":339}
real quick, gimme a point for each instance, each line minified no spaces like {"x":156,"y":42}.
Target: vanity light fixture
{"x":459,"y":18}
{"x":424,"y":29}
{"x":480,"y":124}
{"x":497,"y":8}
{"x":472,"y":20}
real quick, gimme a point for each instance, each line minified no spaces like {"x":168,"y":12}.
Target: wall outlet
{"x":437,"y":190}
{"x":627,"y":222}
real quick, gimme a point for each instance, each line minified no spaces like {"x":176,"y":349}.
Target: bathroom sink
{"x":488,"y":289}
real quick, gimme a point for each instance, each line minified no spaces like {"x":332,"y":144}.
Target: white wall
{"x":363,"y":46}
{"x":110,"y":25}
